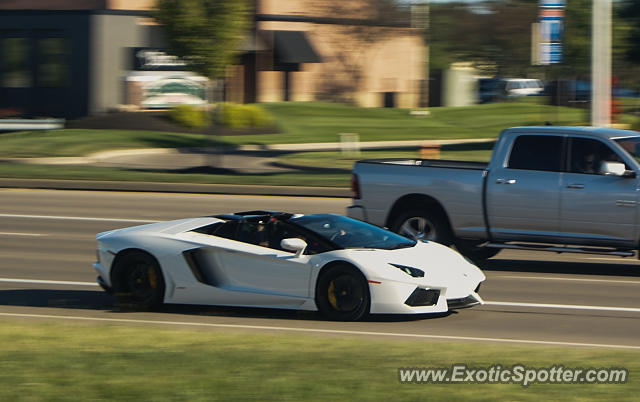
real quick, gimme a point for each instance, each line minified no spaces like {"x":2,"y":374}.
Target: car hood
{"x":441,"y":264}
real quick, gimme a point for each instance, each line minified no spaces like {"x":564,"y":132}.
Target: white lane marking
{"x":549,"y":278}
{"x":77,"y":218}
{"x":562,"y":306}
{"x":21,"y":234}
{"x":323,"y":331}
{"x":487,"y":303}
{"x":47,"y":282}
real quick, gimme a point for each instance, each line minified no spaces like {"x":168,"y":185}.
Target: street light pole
{"x":601,"y":64}
{"x":420,"y":20}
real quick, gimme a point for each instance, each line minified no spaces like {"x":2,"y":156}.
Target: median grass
{"x":477,"y":152}
{"x":321,"y":179}
{"x":335,"y":161}
{"x":79,"y":362}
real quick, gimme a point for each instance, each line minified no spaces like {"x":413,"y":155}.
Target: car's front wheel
{"x":139,"y":282}
{"x":342,"y":293}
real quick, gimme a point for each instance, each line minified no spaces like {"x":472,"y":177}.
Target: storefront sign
{"x":166,"y":92}
{"x":147,"y":59}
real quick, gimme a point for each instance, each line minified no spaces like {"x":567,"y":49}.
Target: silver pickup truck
{"x":562,"y":189}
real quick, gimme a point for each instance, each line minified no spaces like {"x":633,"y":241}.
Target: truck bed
{"x":454,"y":184}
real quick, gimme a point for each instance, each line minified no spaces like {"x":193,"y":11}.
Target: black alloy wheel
{"x":342,"y":293}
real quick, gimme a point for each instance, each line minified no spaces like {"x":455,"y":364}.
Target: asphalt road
{"x":47,"y":247}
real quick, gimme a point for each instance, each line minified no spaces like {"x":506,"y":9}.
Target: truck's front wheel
{"x":423,"y":225}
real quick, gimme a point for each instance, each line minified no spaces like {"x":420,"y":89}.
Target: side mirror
{"x":615,"y":169}
{"x":294,"y":244}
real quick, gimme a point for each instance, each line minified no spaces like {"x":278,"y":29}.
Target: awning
{"x":292,"y":47}
{"x":253,"y":43}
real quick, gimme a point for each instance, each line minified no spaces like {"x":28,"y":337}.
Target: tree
{"x":493,"y":35}
{"x":208,"y":33}
{"x":630,"y":11}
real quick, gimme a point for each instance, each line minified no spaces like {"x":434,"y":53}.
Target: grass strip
{"x":56,"y":172}
{"x":72,"y":362}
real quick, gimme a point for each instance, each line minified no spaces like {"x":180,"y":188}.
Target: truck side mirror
{"x":612,"y":168}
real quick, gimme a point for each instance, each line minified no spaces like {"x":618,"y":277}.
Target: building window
{"x":15,"y":57}
{"x":53,"y":69}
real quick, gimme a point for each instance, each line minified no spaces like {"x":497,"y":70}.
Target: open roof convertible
{"x":340,"y":266}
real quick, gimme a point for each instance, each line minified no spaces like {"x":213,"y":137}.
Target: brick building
{"x":72,"y":58}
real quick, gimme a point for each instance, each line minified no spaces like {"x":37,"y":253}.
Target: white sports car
{"x":340,"y":266}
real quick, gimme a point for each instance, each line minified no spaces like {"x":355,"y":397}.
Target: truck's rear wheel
{"x":423,"y":225}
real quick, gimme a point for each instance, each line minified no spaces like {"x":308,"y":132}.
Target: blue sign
{"x":551,"y":28}
{"x":552,"y":3}
{"x":551,"y":53}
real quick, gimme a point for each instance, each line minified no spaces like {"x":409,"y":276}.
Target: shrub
{"x":233,"y":115}
{"x":190,"y":116}
{"x":259,"y":117}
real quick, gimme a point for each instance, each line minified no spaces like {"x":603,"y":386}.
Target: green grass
{"x":333,"y":160}
{"x":75,"y":362}
{"x":299,"y":123}
{"x":26,"y":144}
{"x":321,"y":179}
{"x":323,"y":122}
{"x":304,"y":123}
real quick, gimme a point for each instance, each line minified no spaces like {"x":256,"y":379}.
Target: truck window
{"x":631,"y":145}
{"x":537,"y":152}
{"x":587,"y":154}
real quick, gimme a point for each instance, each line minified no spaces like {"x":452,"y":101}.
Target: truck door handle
{"x":505,"y":181}
{"x":576,"y":186}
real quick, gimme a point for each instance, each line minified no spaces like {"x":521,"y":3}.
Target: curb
{"x":190,"y":188}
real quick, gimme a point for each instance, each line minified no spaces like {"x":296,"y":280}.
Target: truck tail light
{"x":355,"y":187}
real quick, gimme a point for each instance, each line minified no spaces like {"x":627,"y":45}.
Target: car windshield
{"x":351,"y":233}
{"x":631,"y":145}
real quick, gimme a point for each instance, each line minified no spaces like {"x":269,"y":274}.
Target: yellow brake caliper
{"x":332,"y":296}
{"x":153,"y":281}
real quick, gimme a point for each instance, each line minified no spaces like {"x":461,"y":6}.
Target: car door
{"x":596,"y":208}
{"x":257,"y":269}
{"x":523,"y":194}
{"x":244,"y":262}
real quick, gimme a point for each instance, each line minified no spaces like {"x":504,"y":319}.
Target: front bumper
{"x":103,"y":285}
{"x":473,"y":299}
{"x":102,"y":275}
{"x":391,"y":297}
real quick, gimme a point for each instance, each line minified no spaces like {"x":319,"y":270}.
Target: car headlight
{"x":415,"y":272}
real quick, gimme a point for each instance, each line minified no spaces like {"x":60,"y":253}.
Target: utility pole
{"x":601,"y":64}
{"x":420,"y":19}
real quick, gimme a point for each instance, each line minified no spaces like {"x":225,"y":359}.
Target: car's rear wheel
{"x":342,"y":293}
{"x":422,"y":225}
{"x":139,"y":282}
